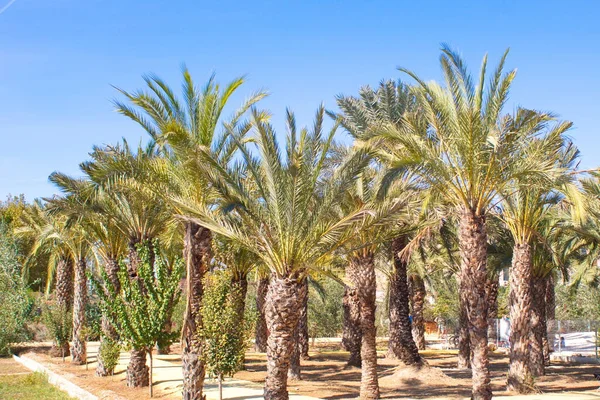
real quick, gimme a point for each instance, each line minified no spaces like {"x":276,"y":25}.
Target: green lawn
{"x":29,"y":387}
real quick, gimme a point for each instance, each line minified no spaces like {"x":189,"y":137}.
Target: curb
{"x":56,"y":380}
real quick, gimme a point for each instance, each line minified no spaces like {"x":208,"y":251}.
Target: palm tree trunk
{"x":261,"y":333}
{"x":295,"y":372}
{"x":473,"y":252}
{"x":64,"y":299}
{"x":109,"y":333}
{"x":491,"y":292}
{"x":550,"y":315}
{"x":538,"y":317}
{"x":282,"y":312}
{"x":416,"y":287}
{"x":520,"y":377}
{"x":78,"y":351}
{"x":64,"y":283}
{"x":401,"y":344}
{"x":239,"y":286}
{"x":362,"y":274}
{"x":351,"y":335}
{"x":464,"y":343}
{"x":197,"y":254}
{"x":137,"y":371}
{"x":303,"y":338}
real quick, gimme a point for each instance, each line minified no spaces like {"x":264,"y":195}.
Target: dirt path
{"x":325,"y":377}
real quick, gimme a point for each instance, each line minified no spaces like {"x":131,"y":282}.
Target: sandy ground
{"x":325,"y":376}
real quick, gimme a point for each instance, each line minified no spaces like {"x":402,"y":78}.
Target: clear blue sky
{"x":59,"y":58}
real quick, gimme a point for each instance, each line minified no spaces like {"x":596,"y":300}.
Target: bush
{"x":109,"y":353}
{"x":15,"y":302}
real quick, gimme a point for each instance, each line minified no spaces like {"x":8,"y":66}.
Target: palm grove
{"x":440,"y":180}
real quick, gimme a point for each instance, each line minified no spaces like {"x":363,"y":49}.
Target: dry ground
{"x":325,"y":376}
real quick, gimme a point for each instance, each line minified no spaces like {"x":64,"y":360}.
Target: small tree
{"x":59,"y":322}
{"x":142,"y":306}
{"x":224,"y":336}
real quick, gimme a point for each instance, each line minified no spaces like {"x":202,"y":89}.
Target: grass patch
{"x":29,"y":387}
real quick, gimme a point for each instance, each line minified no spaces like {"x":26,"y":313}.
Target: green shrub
{"x":109,"y":353}
{"x":14,"y":300}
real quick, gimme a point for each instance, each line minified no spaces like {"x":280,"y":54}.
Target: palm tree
{"x":182,"y":129}
{"x":86,"y":205}
{"x":460,"y":149}
{"x":68,"y":246}
{"x":417,"y":293}
{"x":386,"y":105}
{"x":524,"y":207}
{"x":115,"y":172}
{"x":281,"y":211}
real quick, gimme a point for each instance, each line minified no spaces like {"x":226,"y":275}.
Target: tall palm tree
{"x":460,"y":149}
{"x":524,"y":207}
{"x":371,"y":108}
{"x":280,"y":209}
{"x":182,"y":129}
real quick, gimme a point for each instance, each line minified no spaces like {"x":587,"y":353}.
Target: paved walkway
{"x":167,"y":377}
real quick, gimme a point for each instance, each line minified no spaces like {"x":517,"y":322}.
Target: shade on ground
{"x":168,"y":378}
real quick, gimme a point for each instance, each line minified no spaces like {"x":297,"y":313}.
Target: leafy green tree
{"x":142,"y":306}
{"x":224,"y":334}
{"x":325,"y":309}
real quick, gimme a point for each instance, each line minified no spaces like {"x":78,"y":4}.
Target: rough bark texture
{"x":261,"y":333}
{"x":520,"y":377}
{"x":416,"y":287}
{"x":464,"y":344}
{"x":550,"y":316}
{"x":362,"y":275}
{"x":64,"y":283}
{"x":78,"y":350}
{"x":294,"y":372}
{"x":351,"y":336}
{"x":491,"y":292}
{"x":239,"y":286}
{"x":282,"y":312}
{"x":538,"y":319}
{"x":197,"y":253}
{"x":473,"y":253}
{"x":303,"y":338}
{"x":64,"y":299}
{"x":401,"y":344}
{"x":111,"y":267}
{"x":138,"y":374}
